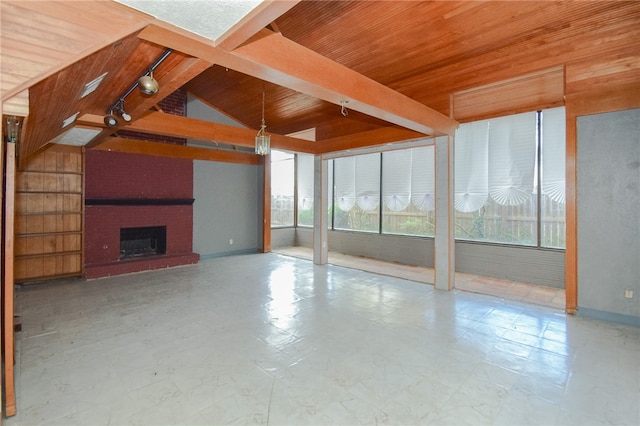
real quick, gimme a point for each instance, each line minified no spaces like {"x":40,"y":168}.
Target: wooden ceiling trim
{"x":542,"y":89}
{"x":621,"y":66}
{"x":604,"y":99}
{"x":17,"y":105}
{"x":261,"y":16}
{"x":134,"y":146}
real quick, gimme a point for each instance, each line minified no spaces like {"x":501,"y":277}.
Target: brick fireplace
{"x":126,"y":191}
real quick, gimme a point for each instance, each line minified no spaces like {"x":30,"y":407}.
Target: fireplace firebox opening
{"x":145,"y":241}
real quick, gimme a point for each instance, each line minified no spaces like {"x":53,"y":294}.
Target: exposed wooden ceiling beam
{"x":134,"y":146}
{"x":375,"y":137}
{"x":159,"y":123}
{"x":273,"y":58}
{"x":264,"y":14}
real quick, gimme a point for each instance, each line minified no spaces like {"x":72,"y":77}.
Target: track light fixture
{"x":147,"y":85}
{"x":111,"y":120}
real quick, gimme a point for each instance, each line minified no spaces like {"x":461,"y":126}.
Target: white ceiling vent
{"x":91,"y":86}
{"x":70,"y":119}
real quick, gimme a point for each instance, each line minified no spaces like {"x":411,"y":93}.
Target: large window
{"x":282,"y":188}
{"x":509,"y":185}
{"x":499,"y":166}
{"x":305,"y":175}
{"x":357,"y":193}
{"x":408,"y":192}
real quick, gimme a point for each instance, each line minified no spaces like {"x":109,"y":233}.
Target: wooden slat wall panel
{"x":49,"y":212}
{"x":543,"y":89}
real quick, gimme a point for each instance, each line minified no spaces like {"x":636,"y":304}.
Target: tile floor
{"x":523,"y":292}
{"x":272,"y":339}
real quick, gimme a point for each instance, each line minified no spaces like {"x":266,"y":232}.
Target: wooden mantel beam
{"x":271,"y":57}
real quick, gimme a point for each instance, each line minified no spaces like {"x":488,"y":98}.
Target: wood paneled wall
{"x":49,"y":215}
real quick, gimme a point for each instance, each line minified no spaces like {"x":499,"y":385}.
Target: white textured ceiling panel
{"x":208,"y":18}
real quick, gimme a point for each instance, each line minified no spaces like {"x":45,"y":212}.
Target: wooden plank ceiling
{"x":398,"y":63}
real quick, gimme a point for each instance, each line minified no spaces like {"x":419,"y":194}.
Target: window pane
{"x":282,"y":184}
{"x":553,"y":178}
{"x":495,"y":179}
{"x":305,"y":189}
{"x":512,"y":155}
{"x":408,"y":191}
{"x":357,"y":192}
{"x":498,"y":223}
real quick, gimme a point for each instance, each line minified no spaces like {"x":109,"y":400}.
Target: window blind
{"x":471,"y":166}
{"x":396,"y":179}
{"x":305,"y":181}
{"x":368,"y":181}
{"x":512,"y":152}
{"x":423,"y":178}
{"x":345,"y":182}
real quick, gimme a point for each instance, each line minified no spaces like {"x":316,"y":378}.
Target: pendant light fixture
{"x":263,"y":140}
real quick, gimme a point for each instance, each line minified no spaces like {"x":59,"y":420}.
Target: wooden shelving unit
{"x":49,"y":215}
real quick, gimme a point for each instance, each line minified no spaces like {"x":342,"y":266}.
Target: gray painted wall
{"x":283,"y":237}
{"x":227,"y":199}
{"x":226,"y":208}
{"x":392,"y":248}
{"x":609,"y":213}
{"x":523,"y":264}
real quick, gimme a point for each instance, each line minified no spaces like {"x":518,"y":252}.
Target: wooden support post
{"x":571,"y":222}
{"x":320,"y":211}
{"x":8,"y":280}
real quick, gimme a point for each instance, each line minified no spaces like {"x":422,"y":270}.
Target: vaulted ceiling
{"x":358,"y":72}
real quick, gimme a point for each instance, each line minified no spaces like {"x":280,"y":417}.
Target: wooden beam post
{"x":571,"y":218}
{"x":8,"y":279}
